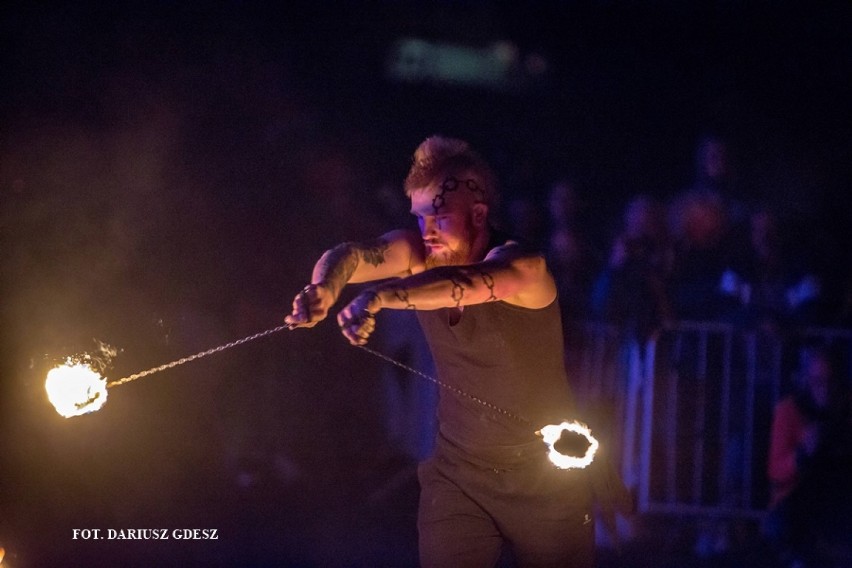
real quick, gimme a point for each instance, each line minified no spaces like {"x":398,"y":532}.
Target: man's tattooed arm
{"x":388,"y":256}
{"x":445,"y":287}
{"x":336,"y":267}
{"x":374,"y":252}
{"x":508,"y":273}
{"x":401,"y":294}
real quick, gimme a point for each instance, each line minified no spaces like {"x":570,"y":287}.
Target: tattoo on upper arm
{"x":374,"y":253}
{"x":402,"y":295}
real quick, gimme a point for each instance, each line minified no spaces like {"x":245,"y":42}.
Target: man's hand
{"x":357,"y":320}
{"x":310,"y":306}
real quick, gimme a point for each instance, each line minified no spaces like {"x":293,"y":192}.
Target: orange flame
{"x":551,"y":434}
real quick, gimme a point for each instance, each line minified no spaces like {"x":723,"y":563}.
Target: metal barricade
{"x":688,"y":413}
{"x":706,"y":404}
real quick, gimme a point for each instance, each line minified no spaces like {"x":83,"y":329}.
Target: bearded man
{"x":489,"y":311}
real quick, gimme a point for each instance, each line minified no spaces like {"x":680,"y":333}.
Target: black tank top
{"x":507,"y":356}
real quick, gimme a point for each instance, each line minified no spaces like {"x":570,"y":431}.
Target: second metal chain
{"x":446,"y":386}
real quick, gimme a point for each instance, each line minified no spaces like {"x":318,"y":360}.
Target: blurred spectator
{"x":714,"y":171}
{"x":526,"y":222}
{"x":810,"y":463}
{"x":702,"y":219}
{"x":570,"y":254}
{"x":716,"y":175}
{"x":563,"y":204}
{"x":699,"y":221}
{"x":699,"y":225}
{"x":631,"y":290}
{"x":763,"y":286}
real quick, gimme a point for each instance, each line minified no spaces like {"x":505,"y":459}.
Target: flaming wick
{"x":75,"y":388}
{"x":553,"y":432}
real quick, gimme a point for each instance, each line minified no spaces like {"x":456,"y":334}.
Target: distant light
{"x":498,"y":67}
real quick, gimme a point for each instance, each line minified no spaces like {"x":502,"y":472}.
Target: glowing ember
{"x":553,"y":432}
{"x":75,"y":389}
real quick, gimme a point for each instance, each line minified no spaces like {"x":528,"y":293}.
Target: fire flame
{"x":551,"y":434}
{"x":75,"y":388}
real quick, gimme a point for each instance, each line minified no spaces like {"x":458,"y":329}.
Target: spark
{"x":75,"y":388}
{"x":552,"y":434}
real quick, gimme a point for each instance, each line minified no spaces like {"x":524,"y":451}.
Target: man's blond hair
{"x":438,"y":158}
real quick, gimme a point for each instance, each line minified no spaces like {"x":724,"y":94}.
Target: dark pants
{"x":468,"y":512}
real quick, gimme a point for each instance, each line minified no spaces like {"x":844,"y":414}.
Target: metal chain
{"x":196,"y":356}
{"x":446,"y":386}
{"x":382,"y":356}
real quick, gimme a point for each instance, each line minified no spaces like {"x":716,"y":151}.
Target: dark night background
{"x":169,"y":174}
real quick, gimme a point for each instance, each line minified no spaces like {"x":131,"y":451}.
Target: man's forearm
{"x":519,"y":280}
{"x":442,"y":287}
{"x":338,"y":265}
{"x":335,"y":267}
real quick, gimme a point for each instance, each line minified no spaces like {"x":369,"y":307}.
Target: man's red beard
{"x":453,"y":257}
{"x":448,"y":257}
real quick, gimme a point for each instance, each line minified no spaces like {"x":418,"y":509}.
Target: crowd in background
{"x":704,"y":254}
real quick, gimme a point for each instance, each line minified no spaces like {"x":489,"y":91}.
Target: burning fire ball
{"x":75,"y":388}
{"x":571,"y":444}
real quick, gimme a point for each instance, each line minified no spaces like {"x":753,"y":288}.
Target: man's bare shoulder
{"x":511,"y":250}
{"x":536,"y":287}
{"x":407,"y":244}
